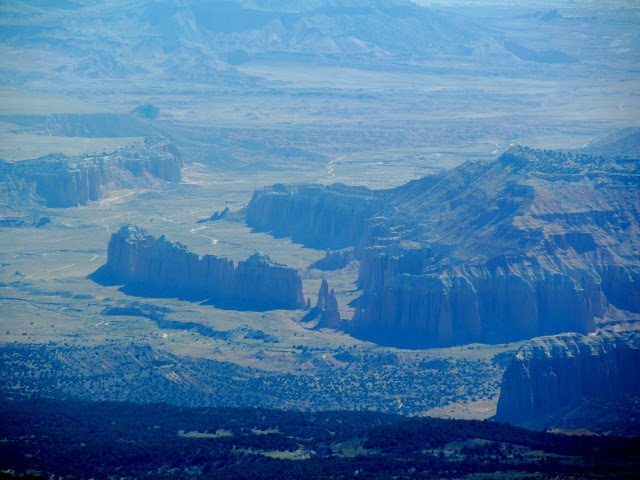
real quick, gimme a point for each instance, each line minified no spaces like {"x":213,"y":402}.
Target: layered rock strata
{"x":150,"y":266}
{"x":550,"y":373}
{"x":534,"y":243}
{"x":488,"y":303}
{"x":316,"y":216}
{"x":63,"y":181}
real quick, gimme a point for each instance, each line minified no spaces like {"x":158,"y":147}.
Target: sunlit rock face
{"x":150,"y":266}
{"x":550,"y":373}
{"x":61,"y":181}
{"x":533,"y":243}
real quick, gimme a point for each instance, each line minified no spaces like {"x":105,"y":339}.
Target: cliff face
{"x":505,"y":300}
{"x":521,"y":247}
{"x":158,"y":267}
{"x":550,"y":373}
{"x":319,"y":217}
{"x":534,"y":243}
{"x":63,"y":181}
{"x":259,"y":281}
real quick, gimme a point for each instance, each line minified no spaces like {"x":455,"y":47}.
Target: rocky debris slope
{"x":534,"y":243}
{"x":150,"y":266}
{"x":551,"y":373}
{"x":62,"y":181}
{"x":326,"y":310}
{"x":625,"y":142}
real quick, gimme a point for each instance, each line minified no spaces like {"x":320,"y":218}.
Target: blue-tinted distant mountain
{"x":202,"y":41}
{"x":105,"y":125}
{"x":625,"y":143}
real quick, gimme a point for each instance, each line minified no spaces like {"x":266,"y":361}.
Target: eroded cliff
{"x":533,"y":243}
{"x":62,"y":181}
{"x":316,"y":216}
{"x":551,"y":373}
{"x":149,"y":266}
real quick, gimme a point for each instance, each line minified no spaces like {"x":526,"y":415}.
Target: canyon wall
{"x":316,"y":216}
{"x":149,"y":266}
{"x":536,"y":242}
{"x":504,"y":299}
{"x":550,"y":373}
{"x":63,"y":181}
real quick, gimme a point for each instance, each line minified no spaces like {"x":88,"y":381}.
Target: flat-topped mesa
{"x":68,"y":181}
{"x":550,"y":373}
{"x":536,"y":242}
{"x":317,"y":216}
{"x":150,"y":266}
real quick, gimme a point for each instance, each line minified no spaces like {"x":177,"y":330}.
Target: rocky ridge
{"x":534,"y":243}
{"x":149,"y":266}
{"x":549,"y":374}
{"x":61,"y":181}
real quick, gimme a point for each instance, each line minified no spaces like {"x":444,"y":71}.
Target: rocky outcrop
{"x":522,"y":247}
{"x":148,"y":111}
{"x":319,"y":217}
{"x":326,"y":310}
{"x":216,"y":216}
{"x":335,"y":260}
{"x":149,"y":266}
{"x":63,"y":181}
{"x":551,"y":373}
{"x":260,"y":282}
{"x":534,"y":243}
{"x":490,"y":303}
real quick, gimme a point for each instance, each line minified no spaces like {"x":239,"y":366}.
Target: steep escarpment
{"x":150,"y":266}
{"x":552,"y":373}
{"x":63,"y":181}
{"x":487,"y":304}
{"x":316,"y":216}
{"x":533,"y":243}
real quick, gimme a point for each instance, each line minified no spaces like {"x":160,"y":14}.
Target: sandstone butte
{"x":158,"y":267}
